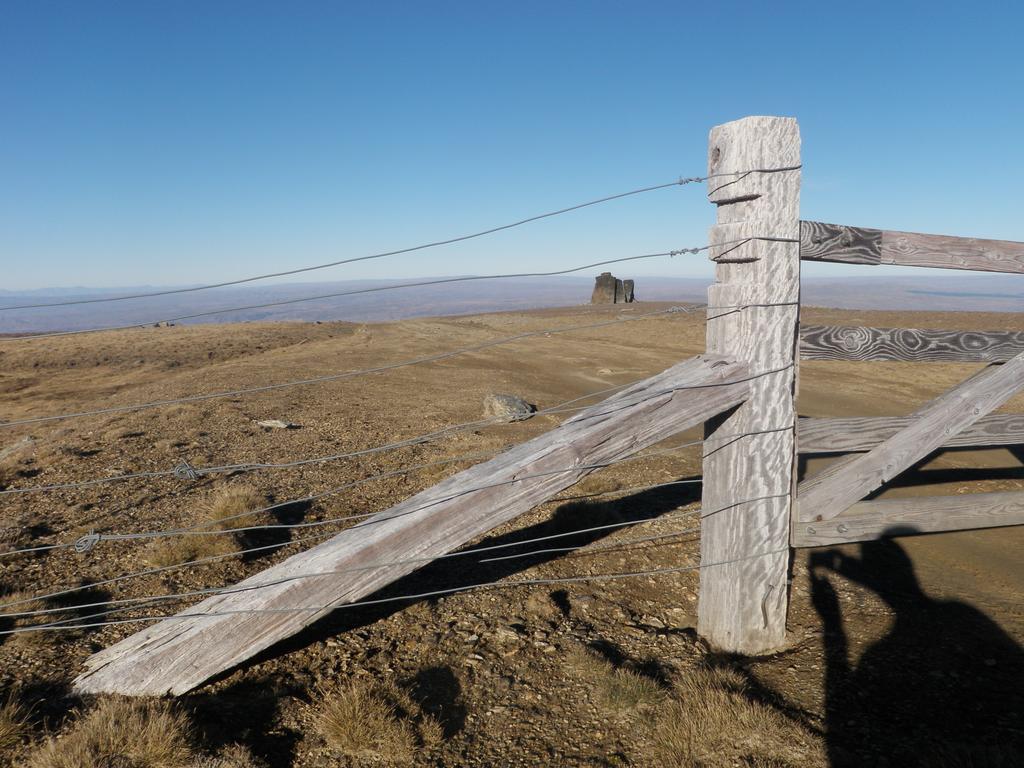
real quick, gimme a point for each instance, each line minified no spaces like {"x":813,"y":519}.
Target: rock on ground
{"x":509,"y":407}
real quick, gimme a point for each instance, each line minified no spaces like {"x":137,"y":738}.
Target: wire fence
{"x":185,"y":471}
{"x":84,"y":622}
{"x":59,"y":608}
{"x":681,"y":181}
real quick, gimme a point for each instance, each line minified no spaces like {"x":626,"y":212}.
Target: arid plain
{"x":895,"y":650}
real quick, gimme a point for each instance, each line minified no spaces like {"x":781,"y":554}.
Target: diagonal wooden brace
{"x":178,"y":654}
{"x":846,"y":482}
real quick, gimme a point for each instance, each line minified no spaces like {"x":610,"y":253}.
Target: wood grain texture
{"x":911,"y":249}
{"x":835,"y":242}
{"x":178,"y":655}
{"x":848,"y":342}
{"x":858,"y":245}
{"x":862,"y":433}
{"x":749,"y":454}
{"x":870,"y":520}
{"x":834,"y":490}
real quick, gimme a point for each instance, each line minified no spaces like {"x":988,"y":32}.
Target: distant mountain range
{"x":375,"y":300}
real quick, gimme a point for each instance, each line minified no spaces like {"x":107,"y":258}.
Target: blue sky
{"x":156,"y":143}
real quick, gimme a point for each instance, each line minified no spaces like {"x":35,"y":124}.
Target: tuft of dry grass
{"x":221,"y":513}
{"x":13,"y":724}
{"x":233,"y":501}
{"x":625,"y":691}
{"x":357,"y":721}
{"x":120,"y":732}
{"x":376,"y":721}
{"x":619,"y":691}
{"x":711,"y":720}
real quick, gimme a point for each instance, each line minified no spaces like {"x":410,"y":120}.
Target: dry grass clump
{"x":712,"y":721}
{"x":13,"y":724}
{"x":617,"y":690}
{"x":220,"y":514}
{"x":234,"y":501}
{"x":375,"y":721}
{"x":120,"y":732}
{"x":599,"y":483}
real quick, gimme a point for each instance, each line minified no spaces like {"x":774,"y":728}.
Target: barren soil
{"x":888,"y":658}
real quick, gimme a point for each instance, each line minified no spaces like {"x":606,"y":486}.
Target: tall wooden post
{"x":753,"y":315}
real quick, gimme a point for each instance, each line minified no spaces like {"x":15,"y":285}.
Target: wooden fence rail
{"x":868,"y":520}
{"x":858,"y":245}
{"x":862,"y":433}
{"x":846,"y":342}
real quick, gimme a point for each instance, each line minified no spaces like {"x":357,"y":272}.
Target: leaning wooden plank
{"x":831,"y":492}
{"x":862,"y":433}
{"x":852,"y":342}
{"x":858,"y":245}
{"x":870,"y":520}
{"x":176,"y":655}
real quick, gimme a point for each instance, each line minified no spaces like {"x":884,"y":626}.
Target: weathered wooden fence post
{"x":753,"y":315}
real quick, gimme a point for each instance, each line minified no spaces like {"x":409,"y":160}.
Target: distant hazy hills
{"x":958,"y":292}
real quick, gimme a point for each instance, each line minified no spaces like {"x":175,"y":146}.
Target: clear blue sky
{"x":181,"y":142}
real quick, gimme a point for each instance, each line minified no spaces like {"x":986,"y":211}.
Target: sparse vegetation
{"x":121,"y":732}
{"x":231,"y":502}
{"x":504,"y":694}
{"x":13,"y":724}
{"x":711,"y":720}
{"x":364,"y":720}
{"x":619,"y":691}
{"x":220,"y":514}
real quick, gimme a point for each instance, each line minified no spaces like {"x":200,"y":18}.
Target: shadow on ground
{"x":246,"y":713}
{"x":454,"y":573}
{"x":941,"y":688}
{"x":438,"y":692}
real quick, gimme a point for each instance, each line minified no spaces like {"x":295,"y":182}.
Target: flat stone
{"x":508,"y":407}
{"x":276,"y":424}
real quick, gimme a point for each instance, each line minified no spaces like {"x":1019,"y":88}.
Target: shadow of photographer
{"x":943,"y":687}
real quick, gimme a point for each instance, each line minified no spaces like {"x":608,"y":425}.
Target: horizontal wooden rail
{"x":837,"y":488}
{"x":851,"y":342}
{"x":870,"y":520}
{"x":862,"y":433}
{"x":857,"y":245}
